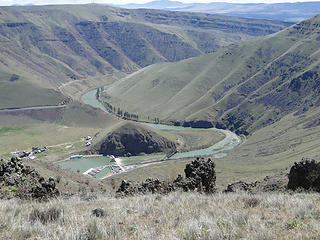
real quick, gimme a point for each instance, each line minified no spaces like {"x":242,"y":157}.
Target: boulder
{"x":201,"y":175}
{"x":99,"y":212}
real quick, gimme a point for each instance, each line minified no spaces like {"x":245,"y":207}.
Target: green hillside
{"x":61,"y":47}
{"x":242,"y":87}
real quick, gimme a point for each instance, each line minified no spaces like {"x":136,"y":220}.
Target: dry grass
{"x":175,"y":216}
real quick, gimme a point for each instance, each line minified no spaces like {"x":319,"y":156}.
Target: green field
{"x":5,"y":131}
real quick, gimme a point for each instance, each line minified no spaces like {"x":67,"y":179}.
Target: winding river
{"x":217,"y":150}
{"x":230,"y":141}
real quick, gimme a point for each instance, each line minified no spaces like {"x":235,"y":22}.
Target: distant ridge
{"x":50,"y":51}
{"x":290,"y":12}
{"x":242,"y":87}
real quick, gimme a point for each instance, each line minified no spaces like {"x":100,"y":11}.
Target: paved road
{"x":31,"y":108}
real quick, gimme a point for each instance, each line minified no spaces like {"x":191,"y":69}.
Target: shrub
{"x":91,"y":233}
{"x":251,"y":202}
{"x":292,"y":224}
{"x":44,"y":216}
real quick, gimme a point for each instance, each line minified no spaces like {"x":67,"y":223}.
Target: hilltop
{"x":49,"y":52}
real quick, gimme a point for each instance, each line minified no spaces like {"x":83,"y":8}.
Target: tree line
{"x":120,"y":112}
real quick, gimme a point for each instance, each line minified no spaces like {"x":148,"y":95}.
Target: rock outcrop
{"x":133,"y":139}
{"x":18,"y":180}
{"x":274,"y":183}
{"x":200,"y":176}
{"x":240,"y":186}
{"x":305,"y":175}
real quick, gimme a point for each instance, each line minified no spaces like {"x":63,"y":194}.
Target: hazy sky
{"x":40,"y":2}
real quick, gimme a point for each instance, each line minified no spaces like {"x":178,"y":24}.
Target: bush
{"x":251,"y":202}
{"x":44,"y":216}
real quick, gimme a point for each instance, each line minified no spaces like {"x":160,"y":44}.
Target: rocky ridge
{"x":18,"y":180}
{"x":200,"y":176}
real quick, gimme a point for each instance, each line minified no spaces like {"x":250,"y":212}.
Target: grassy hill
{"x":242,"y":87}
{"x":46,"y":50}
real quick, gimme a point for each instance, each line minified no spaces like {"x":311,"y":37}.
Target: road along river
{"x":230,"y":141}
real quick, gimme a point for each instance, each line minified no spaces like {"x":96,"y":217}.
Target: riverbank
{"x":226,"y":143}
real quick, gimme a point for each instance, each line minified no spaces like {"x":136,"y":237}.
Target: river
{"x":218,"y":149}
{"x":230,"y":141}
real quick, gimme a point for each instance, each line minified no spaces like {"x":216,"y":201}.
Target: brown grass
{"x":174,"y":216}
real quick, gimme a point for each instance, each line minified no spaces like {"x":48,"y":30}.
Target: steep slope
{"x":242,"y":87}
{"x":48,"y":47}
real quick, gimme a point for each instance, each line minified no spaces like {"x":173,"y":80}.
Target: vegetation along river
{"x":230,"y":141}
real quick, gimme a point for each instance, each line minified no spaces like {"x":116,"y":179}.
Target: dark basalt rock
{"x":132,"y":139}
{"x":240,"y":186}
{"x":194,"y":124}
{"x":275,"y":183}
{"x":128,"y":188}
{"x":202,"y":124}
{"x":305,"y":175}
{"x":18,"y":180}
{"x":200,"y":176}
{"x":99,"y":212}
{"x":186,"y":124}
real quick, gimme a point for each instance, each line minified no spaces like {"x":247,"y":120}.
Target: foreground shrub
{"x":45,"y":216}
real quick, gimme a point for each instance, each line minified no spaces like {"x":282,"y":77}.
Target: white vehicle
{"x":88,"y":144}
